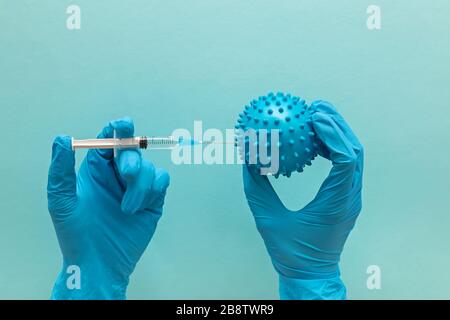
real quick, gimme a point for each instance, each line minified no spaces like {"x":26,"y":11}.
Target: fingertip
{"x":129,"y":164}
{"x":61,"y":184}
{"x":62,"y":148}
{"x":162,"y":180}
{"x":127,"y":208}
{"x":138,"y":189}
{"x":323,"y":106}
{"x":63,"y":141}
{"x":123,"y":127}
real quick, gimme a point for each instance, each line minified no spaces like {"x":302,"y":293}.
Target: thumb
{"x":61,"y":186}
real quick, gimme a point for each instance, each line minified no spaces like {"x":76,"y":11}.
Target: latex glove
{"x":105,"y":216}
{"x":305,"y":245}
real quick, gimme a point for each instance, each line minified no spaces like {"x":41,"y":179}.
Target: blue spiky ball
{"x":298,"y":143}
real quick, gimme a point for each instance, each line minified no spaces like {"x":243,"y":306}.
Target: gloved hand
{"x":105,"y":217}
{"x":305,"y":245}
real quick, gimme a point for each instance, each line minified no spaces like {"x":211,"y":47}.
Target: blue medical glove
{"x":104,"y":217}
{"x":305,"y":245}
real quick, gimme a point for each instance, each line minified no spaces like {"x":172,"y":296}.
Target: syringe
{"x":143,"y":142}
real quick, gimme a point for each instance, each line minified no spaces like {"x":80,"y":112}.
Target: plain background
{"x":168,"y":63}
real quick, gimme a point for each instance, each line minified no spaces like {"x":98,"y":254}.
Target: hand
{"x":305,"y":245}
{"x":105,"y":217}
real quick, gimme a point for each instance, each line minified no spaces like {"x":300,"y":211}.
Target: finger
{"x":160,"y":184}
{"x":336,"y":189}
{"x":334,"y":139}
{"x":327,"y":108}
{"x":152,"y":207}
{"x":129,"y":164}
{"x":62,"y":182}
{"x":139,"y":189}
{"x":259,"y":192}
{"x":123,"y":128}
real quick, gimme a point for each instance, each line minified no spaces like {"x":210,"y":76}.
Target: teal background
{"x":168,"y":63}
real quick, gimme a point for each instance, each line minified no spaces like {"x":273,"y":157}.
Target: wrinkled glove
{"x":305,"y":245}
{"x":104,"y":217}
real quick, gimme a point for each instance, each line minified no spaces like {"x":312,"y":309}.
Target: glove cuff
{"x":313,"y":289}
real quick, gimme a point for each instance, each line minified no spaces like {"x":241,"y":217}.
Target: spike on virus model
{"x":291,"y":116}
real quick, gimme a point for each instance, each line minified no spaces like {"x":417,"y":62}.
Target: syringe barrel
{"x":108,"y":143}
{"x":168,"y":142}
{"x":126,"y":143}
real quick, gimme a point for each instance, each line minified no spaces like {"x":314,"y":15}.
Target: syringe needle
{"x":215,"y":142}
